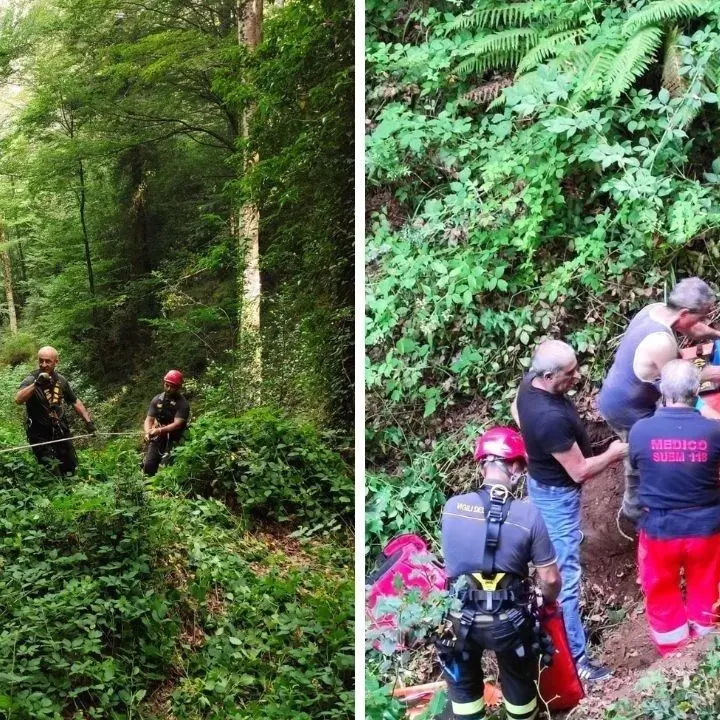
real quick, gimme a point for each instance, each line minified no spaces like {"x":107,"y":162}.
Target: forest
{"x":176,"y":192}
{"x":534,"y":169}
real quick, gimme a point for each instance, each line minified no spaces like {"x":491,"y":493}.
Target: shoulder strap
{"x":496,"y":505}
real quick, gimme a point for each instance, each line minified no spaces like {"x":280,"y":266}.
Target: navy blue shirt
{"x":677,"y":453}
{"x":523,"y":537}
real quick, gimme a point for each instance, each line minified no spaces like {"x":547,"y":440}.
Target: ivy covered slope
{"x":121,"y":600}
{"x":533,"y":168}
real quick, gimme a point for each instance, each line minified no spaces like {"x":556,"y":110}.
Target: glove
{"x":43,"y":380}
{"x":90,"y":426}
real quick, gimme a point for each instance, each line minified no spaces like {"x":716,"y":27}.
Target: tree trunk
{"x":7,"y":281}
{"x":139,"y":252}
{"x":86,"y":240}
{"x":250,"y":19}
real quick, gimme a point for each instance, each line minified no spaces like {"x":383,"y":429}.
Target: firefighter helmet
{"x":500,"y":442}
{"x":174,"y":377}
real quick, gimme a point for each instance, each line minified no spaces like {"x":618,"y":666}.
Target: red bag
{"x":559,"y":685}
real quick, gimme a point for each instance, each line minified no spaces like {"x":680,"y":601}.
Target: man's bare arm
{"x":24,"y":394}
{"x":700,"y":330}
{"x":581,"y":469}
{"x":177,"y":424}
{"x":81,"y":411}
{"x":514,"y":411}
{"x":550,"y":582}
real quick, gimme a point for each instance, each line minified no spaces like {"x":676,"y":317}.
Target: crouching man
{"x":677,"y":455}
{"x":488,"y":539}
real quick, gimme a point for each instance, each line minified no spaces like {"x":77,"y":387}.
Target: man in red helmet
{"x":488,"y":540}
{"x":166,"y":420}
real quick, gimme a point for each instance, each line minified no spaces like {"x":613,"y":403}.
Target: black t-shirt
{"x":549,"y":424}
{"x":166,"y":409}
{"x":45,"y":409}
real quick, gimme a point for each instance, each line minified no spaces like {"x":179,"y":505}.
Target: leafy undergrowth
{"x":675,"y":692}
{"x":264,"y":463}
{"x":121,"y":599}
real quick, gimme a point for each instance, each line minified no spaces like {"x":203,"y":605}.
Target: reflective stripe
{"x":520,"y":709}
{"x":469,"y":708}
{"x":671,"y":636}
{"x":701,"y":629}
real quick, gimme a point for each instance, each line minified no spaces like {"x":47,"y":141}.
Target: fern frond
{"x":489,"y":91}
{"x":593,"y":78}
{"x":510,"y":14}
{"x":672,"y":80}
{"x":662,"y":11}
{"x":479,"y":64}
{"x":506,"y":47}
{"x":633,"y":60}
{"x":548,"y":47}
{"x":712,"y":73}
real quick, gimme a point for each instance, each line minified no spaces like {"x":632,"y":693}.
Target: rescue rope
{"x":72,"y":437}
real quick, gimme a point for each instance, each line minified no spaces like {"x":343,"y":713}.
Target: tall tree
{"x":250,"y":22}
{"x":8,"y":281}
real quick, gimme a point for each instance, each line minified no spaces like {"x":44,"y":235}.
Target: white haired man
{"x":559,"y":462}
{"x":676,"y":453}
{"x":630,"y":391}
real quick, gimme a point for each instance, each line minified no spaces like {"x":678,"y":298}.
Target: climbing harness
{"x":495,"y":605}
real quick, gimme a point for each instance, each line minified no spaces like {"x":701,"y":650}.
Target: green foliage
{"x":544,"y":216}
{"x":269,"y":465}
{"x":124,"y":173}
{"x":83,"y":626}
{"x":683,"y":695}
{"x":279,"y":644}
{"x":111,"y":594}
{"x":18,"y":348}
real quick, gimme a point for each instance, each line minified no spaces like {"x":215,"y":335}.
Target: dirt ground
{"x":612,"y":595}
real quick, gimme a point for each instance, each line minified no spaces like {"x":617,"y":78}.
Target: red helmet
{"x":500,"y":442}
{"x":174,"y":377}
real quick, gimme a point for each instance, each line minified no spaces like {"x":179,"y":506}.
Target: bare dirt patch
{"x":613,"y":598}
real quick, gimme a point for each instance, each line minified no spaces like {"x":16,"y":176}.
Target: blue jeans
{"x":560,"y":509}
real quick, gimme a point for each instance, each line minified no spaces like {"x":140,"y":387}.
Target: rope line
{"x":71,"y":437}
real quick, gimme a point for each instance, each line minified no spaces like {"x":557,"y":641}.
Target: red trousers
{"x":671,"y":617}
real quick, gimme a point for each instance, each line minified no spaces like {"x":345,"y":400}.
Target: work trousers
{"x":157,"y":448}
{"x":559,"y":506}
{"x":517,"y":676}
{"x":59,"y":458}
{"x":630,"y":502}
{"x":671,"y":617}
